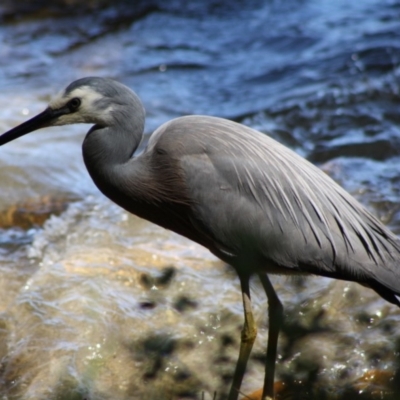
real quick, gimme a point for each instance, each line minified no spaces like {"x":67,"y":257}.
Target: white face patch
{"x":85,"y":93}
{"x":87,"y":112}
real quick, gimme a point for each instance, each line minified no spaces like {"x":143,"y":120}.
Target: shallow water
{"x":98,"y":304}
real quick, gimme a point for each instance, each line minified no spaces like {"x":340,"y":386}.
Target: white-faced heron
{"x":251,"y":201}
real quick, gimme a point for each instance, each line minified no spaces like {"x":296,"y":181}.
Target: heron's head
{"x":92,"y":100}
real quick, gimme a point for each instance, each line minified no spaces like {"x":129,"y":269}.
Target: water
{"x":99,"y":304}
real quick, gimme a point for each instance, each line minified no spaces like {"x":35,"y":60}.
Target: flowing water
{"x":98,"y":304}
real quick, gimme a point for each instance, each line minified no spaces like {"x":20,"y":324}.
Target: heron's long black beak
{"x":39,"y":121}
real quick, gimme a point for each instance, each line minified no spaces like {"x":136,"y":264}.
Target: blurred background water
{"x":98,"y":304}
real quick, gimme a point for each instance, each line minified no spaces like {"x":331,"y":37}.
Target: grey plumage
{"x":257,"y":197}
{"x":251,"y":201}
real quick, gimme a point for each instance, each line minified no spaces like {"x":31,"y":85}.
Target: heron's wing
{"x":263,"y":201}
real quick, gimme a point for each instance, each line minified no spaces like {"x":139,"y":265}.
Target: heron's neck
{"x":106,"y":149}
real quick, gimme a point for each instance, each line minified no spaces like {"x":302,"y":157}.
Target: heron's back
{"x":265,"y":205}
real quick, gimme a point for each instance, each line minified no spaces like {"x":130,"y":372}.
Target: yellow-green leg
{"x":249,"y":334}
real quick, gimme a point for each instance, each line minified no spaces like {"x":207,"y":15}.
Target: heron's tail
{"x":385,"y":292}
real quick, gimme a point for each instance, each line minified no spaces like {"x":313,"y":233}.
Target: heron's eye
{"x":74,"y":104}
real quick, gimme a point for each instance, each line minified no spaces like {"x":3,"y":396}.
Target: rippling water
{"x":97,"y":304}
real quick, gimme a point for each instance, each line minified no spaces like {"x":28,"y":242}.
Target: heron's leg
{"x":249,"y":334}
{"x":275,"y":316}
